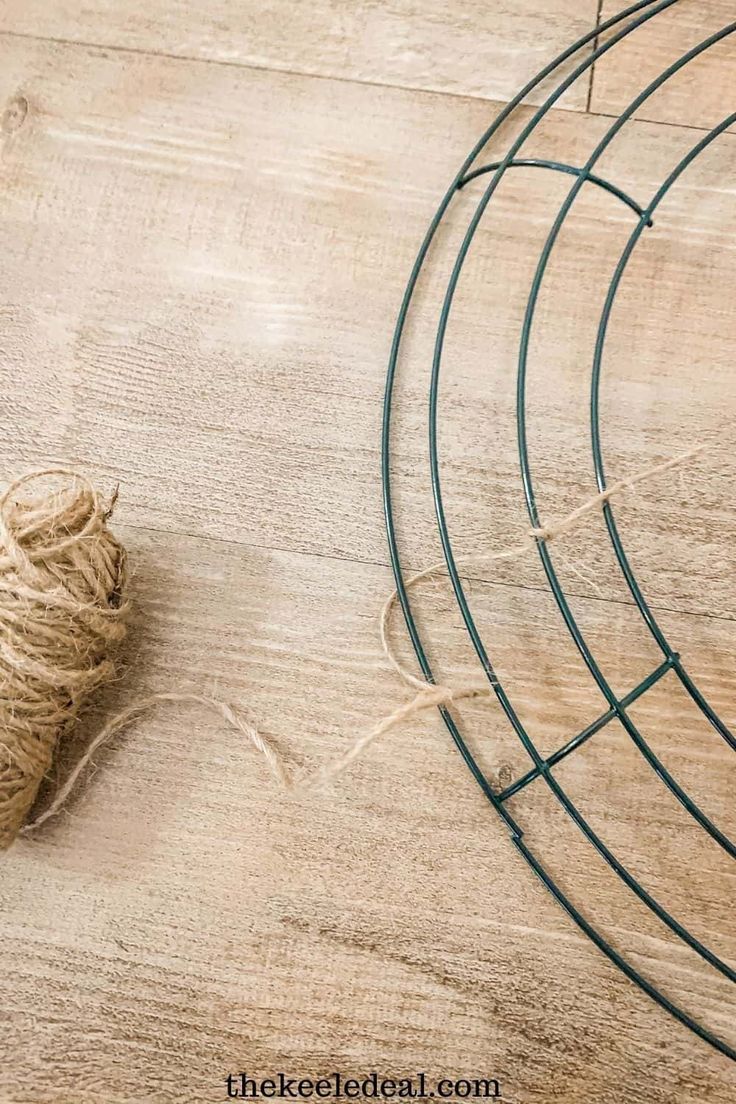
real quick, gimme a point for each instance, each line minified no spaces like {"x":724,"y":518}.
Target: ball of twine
{"x":62,"y":608}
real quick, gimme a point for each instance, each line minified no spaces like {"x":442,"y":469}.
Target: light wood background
{"x":207,"y":215}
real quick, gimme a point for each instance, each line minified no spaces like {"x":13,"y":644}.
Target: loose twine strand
{"x":63,"y":608}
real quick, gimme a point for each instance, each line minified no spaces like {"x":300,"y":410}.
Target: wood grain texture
{"x":473,"y":48}
{"x":165,"y":226}
{"x":195,"y":920}
{"x":201,"y":268}
{"x":701,"y":94}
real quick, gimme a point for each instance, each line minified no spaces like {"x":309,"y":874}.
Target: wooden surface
{"x":488,"y":49}
{"x":699,"y":95}
{"x":201,"y":267}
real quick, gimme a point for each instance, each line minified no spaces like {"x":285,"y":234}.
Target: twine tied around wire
{"x":63,"y":611}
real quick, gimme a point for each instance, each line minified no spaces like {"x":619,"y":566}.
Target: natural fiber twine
{"x":63,"y":608}
{"x":62,"y":575}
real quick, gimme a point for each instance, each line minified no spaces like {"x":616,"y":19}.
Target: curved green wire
{"x":556,"y":166}
{"x":570,"y":621}
{"x":618,"y":548}
{"x":517,"y":834}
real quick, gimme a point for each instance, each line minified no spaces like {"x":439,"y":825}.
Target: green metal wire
{"x":618,"y":548}
{"x":637,"y":14}
{"x":556,"y":166}
{"x":544,"y":551}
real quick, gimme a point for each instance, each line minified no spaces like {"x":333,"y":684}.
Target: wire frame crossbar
{"x":621,"y":26}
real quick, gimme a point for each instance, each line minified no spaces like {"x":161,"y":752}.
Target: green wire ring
{"x":642,"y":12}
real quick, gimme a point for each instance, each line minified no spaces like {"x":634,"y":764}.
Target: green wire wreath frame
{"x":622,"y":25}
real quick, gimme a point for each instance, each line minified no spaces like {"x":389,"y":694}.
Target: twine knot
{"x":62,"y":576}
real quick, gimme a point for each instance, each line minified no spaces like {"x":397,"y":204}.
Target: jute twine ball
{"x":62,"y":609}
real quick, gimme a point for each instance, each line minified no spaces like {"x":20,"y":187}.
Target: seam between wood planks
{"x":254,"y":67}
{"x":473,"y":578}
{"x":591,"y":74}
{"x":659,"y":122}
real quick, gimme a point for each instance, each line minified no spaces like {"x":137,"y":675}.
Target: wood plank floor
{"x":209,"y":212}
{"x":488,"y":49}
